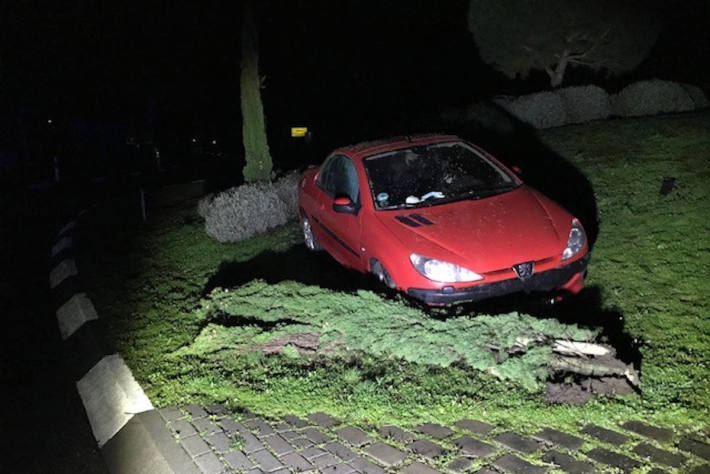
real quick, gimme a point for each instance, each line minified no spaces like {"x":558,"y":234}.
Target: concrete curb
{"x":128,"y":430}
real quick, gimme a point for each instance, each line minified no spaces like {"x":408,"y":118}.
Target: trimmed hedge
{"x":581,"y":104}
{"x":585,"y":103}
{"x":540,"y":110}
{"x":651,"y":98}
{"x":243,"y":211}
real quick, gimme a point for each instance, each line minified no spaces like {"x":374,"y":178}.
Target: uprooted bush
{"x":654,"y":97}
{"x":243,"y":211}
{"x":298,"y":320}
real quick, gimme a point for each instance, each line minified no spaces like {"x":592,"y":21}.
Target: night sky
{"x":350,"y":70}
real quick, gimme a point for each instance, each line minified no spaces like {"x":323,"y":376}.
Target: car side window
{"x":339,"y":178}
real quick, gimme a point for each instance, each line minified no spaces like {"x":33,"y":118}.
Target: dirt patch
{"x":583,"y":390}
{"x":307,"y":342}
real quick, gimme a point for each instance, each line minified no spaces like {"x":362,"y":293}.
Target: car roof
{"x":363,"y":149}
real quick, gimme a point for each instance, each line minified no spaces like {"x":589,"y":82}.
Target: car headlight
{"x":575,"y":241}
{"x":443,"y":272}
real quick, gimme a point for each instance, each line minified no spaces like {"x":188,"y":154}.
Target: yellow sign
{"x":299,"y":132}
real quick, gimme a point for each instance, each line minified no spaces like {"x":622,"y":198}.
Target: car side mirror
{"x":345,"y":205}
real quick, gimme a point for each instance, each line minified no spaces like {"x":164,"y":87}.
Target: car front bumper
{"x":548,"y":280}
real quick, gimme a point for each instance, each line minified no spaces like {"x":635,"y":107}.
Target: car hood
{"x":486,"y":234}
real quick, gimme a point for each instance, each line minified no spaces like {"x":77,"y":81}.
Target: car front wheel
{"x":381,"y":274}
{"x":308,"y":236}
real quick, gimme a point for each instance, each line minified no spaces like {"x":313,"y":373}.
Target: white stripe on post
{"x":62,"y":244}
{"x":61,"y":272}
{"x":74,"y":313}
{"x":68,"y":227}
{"x":111,"y":397}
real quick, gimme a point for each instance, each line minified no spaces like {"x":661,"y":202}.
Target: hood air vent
{"x":414,"y":220}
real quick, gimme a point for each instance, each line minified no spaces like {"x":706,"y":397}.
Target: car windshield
{"x":433,"y":174}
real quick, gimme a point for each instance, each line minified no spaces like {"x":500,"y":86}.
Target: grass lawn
{"x":193,"y":317}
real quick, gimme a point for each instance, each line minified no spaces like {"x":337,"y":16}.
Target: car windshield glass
{"x":433,"y":174}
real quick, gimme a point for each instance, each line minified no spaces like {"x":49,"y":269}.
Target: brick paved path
{"x":219,"y":441}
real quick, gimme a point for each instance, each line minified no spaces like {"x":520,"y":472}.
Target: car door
{"x":340,"y":231}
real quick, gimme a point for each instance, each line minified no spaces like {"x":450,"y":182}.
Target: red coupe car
{"x":440,"y":219}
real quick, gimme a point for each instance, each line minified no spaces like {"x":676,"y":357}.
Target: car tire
{"x":309,"y":238}
{"x":377,"y":269}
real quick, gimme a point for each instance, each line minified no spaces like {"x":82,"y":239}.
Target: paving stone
{"x":474,"y":426}
{"x":559,"y":438}
{"x":280,"y":427}
{"x":353,"y":435}
{"x":170,"y":413}
{"x":518,"y":443}
{"x":363,"y":465}
{"x":323,"y":419}
{"x":338,"y":469}
{"x":301,"y":443}
{"x":659,"y":456}
{"x":277,"y":444}
{"x":385,"y":454}
{"x":696,"y":447}
{"x":251,"y":442}
{"x":610,"y":458}
{"x":287,"y":435}
{"x":418,"y":468}
{"x":231,"y":427}
{"x":259,"y":425}
{"x":216,"y":409}
{"x":205,"y":425}
{"x":316,"y":436}
{"x":704,"y":469}
{"x":209,"y":463}
{"x":238,"y":461}
{"x":182,"y":428}
{"x":460,"y":464}
{"x":567,"y":463}
{"x":340,"y":450}
{"x":396,"y":433}
{"x":295,"y":421}
{"x":194,"y":445}
{"x":296,"y":462}
{"x":487,"y":470}
{"x":434,"y":430}
{"x":266,"y":461}
{"x":325,"y":460}
{"x":219,"y":441}
{"x":425,"y":448}
{"x":246,"y":414}
{"x":649,"y":431}
{"x":256,"y":471}
{"x":195,"y":411}
{"x":603,"y":434}
{"x":473,"y":447}
{"x":283,"y":470}
{"x":312,"y":453}
{"x":512,"y":463}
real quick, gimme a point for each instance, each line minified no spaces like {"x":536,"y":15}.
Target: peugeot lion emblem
{"x":524,"y":270}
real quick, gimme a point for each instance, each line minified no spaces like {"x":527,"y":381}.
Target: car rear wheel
{"x":381,"y":274}
{"x":308,"y":236}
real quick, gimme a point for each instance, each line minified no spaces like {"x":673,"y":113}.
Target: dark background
{"x":163,"y":73}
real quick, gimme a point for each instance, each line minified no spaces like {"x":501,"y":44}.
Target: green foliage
{"x":366,"y":323}
{"x":256,"y":148}
{"x":515,"y":36}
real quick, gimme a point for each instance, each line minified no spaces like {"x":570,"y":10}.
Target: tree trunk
{"x":256,"y":148}
{"x":558,"y":75}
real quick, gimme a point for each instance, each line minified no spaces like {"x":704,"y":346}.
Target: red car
{"x":440,"y":219}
